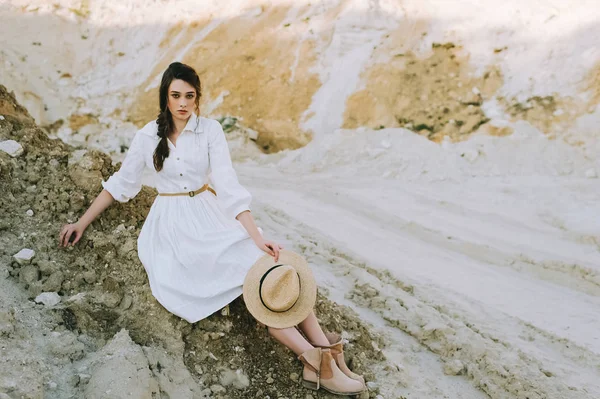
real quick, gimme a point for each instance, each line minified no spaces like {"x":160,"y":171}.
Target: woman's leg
{"x":291,"y":338}
{"x":310,"y":326}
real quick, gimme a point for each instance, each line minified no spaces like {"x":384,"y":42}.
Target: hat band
{"x":260,"y":290}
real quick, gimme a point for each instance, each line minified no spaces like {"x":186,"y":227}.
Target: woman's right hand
{"x":67,"y":231}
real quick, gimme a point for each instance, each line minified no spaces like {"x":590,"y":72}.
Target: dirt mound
{"x":106,"y":318}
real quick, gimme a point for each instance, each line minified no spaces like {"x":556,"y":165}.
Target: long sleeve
{"x":232,"y":196}
{"x":126,"y":183}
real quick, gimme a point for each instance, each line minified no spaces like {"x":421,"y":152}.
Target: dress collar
{"x":194,"y":124}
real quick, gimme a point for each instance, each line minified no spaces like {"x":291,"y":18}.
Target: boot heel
{"x":310,"y":385}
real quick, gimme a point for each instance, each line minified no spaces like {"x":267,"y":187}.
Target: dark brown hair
{"x":165,"y":123}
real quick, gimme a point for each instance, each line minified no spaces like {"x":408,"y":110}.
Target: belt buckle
{"x":191,"y":193}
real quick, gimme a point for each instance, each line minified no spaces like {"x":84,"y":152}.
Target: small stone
{"x":90,"y":276}
{"x":453,"y":367}
{"x":309,"y":396}
{"x":29,"y":212}
{"x":29,"y":274}
{"x":11,"y":147}
{"x":7,"y":323}
{"x":270,"y":380}
{"x":52,"y":385}
{"x":54,"y":282}
{"x":252,"y":134}
{"x":217,"y":388}
{"x":49,"y":299}
{"x":294,"y":377}
{"x":372,"y":385}
{"x":24,"y":256}
{"x":1,"y":117}
{"x":83,"y":377}
{"x":591,"y":173}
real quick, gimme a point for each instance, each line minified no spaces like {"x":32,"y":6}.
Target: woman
{"x":196,"y":249}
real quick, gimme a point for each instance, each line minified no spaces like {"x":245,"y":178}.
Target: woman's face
{"x":182,"y":99}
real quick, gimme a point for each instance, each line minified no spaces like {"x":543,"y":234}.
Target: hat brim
{"x":302,"y":307}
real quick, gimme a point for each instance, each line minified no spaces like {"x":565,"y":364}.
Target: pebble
{"x":11,"y":147}
{"x":270,"y":380}
{"x":29,"y":212}
{"x":1,"y":117}
{"x":48,"y":298}
{"x":24,"y":256}
{"x":294,"y":377}
{"x":453,"y":367}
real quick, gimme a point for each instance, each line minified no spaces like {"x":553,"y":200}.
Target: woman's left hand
{"x":270,"y":247}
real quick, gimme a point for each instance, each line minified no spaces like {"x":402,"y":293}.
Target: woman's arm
{"x":102,"y":201}
{"x":123,"y":185}
{"x":270,"y":247}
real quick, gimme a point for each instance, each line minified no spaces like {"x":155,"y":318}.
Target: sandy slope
{"x":498,"y":271}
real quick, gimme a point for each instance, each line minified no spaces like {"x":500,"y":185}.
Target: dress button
{"x":178,"y":159}
{"x":181,"y":174}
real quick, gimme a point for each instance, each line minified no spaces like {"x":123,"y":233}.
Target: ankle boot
{"x":336,"y":346}
{"x":321,"y":371}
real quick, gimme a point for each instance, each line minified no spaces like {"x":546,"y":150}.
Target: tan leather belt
{"x":191,"y":193}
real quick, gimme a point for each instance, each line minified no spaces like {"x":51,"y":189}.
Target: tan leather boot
{"x":336,"y":346}
{"x":321,"y":371}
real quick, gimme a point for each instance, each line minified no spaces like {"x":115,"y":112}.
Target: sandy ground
{"x":498,"y":272}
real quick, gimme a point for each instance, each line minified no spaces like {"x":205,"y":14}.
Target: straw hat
{"x":280,"y":294}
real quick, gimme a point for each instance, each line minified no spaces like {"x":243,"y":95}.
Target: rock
{"x":216,"y":388}
{"x":133,"y":377}
{"x":372,"y":385}
{"x":591,"y":173}
{"x":48,"y":267}
{"x":49,"y":299}
{"x":54,"y":282}
{"x":270,"y":380}
{"x":65,"y":346}
{"x":29,"y":274}
{"x":7,"y":323}
{"x":11,"y":147}
{"x":29,"y":212}
{"x":90,"y":276}
{"x":173,"y":376}
{"x":1,"y":117}
{"x":453,"y":367}
{"x":294,"y":377}
{"x":252,"y":134}
{"x":24,"y":256}
{"x":237,"y":378}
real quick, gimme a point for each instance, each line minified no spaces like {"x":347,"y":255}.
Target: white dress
{"x":195,"y":252}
